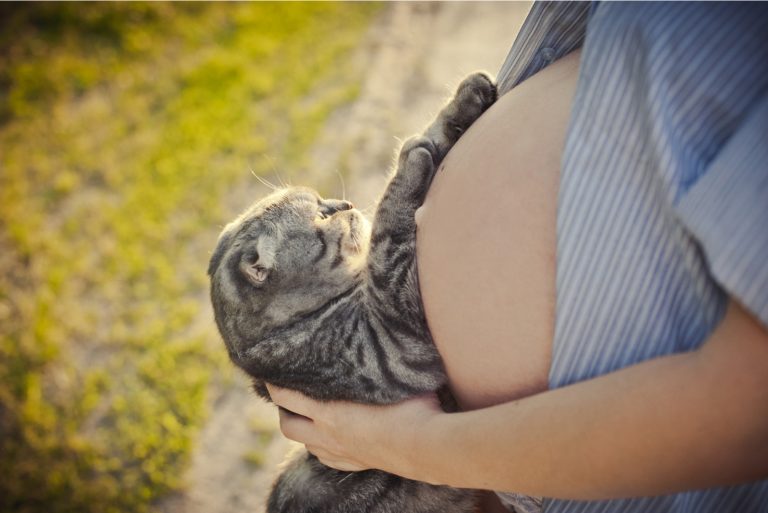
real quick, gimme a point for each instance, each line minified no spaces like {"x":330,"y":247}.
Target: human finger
{"x":341,"y":465}
{"x":419,"y":214}
{"x":293,"y":401}
{"x":297,"y":427}
{"x":335,"y":461}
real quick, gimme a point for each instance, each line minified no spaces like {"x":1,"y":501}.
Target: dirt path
{"x":415,"y":54}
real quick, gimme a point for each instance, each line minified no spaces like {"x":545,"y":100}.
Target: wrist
{"x":427,"y":445}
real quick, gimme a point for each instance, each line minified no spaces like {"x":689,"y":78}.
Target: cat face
{"x":286,"y":255}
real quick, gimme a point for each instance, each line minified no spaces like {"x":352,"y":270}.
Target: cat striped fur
{"x":308,"y":295}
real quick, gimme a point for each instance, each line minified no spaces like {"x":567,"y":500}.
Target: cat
{"x":309,"y":296}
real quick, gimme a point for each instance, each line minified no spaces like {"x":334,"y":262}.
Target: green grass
{"x":122,"y":129}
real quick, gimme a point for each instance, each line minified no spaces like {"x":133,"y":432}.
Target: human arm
{"x":679,"y":422}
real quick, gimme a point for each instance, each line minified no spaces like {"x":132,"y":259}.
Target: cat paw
{"x":474,"y":95}
{"x":418,"y":148}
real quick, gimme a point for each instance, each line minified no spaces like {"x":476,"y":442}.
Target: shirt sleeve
{"x":726,"y":211}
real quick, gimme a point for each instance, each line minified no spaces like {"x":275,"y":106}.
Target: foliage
{"x":122,"y":127}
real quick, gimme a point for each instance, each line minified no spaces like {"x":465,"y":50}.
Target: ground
{"x":414,"y":55}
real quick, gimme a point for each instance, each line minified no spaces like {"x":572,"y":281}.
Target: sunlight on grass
{"x":122,"y":127}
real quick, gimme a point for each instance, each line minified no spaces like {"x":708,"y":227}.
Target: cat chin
{"x":359,"y":233}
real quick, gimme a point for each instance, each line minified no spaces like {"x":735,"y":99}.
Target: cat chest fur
{"x":348,"y":350}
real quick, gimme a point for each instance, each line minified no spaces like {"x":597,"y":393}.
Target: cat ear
{"x":258,"y":261}
{"x":256,"y":273}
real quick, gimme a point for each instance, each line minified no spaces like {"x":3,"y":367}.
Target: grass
{"x":122,"y":128}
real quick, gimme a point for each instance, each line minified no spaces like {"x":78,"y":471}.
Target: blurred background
{"x":130,"y":133}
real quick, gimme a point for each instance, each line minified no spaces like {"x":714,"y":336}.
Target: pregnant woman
{"x":592,"y":260}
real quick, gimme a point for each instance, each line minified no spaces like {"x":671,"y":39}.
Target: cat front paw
{"x":418,"y":142}
{"x":416,"y":166}
{"x":474,"y":95}
{"x":419,"y":155}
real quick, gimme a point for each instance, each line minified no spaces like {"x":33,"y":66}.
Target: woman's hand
{"x":350,"y":436}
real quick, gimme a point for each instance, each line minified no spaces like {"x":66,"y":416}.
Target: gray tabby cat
{"x":307,"y":296}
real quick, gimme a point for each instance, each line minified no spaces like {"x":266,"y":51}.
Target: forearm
{"x":680,"y":422}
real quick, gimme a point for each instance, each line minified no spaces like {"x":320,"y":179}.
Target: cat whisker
{"x":264,"y":181}
{"x":274,"y":169}
{"x":270,"y":161}
{"x":343,"y":187}
{"x":280,"y":179}
{"x":369,"y":210}
{"x":345,"y":478}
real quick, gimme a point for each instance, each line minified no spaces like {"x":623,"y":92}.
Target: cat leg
{"x":414,"y":173}
{"x":393,"y":237}
{"x":420,"y":156}
{"x":392,"y":284}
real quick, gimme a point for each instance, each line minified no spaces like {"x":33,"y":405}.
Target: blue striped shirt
{"x":663,"y":203}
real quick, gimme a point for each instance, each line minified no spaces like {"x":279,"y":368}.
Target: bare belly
{"x":486,"y":242}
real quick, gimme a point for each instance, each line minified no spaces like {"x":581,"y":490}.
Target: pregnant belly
{"x":486,"y":242}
